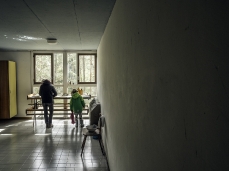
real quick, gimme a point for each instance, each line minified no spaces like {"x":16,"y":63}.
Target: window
{"x":66,"y":71}
{"x":86,"y":68}
{"x":43,"y":67}
{"x":72,"y":68}
{"x":58,"y":69}
{"x":48,"y":67}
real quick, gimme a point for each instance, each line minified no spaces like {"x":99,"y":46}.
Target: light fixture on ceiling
{"x":52,"y":41}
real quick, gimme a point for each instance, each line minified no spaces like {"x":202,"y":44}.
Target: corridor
{"x":26,"y":148}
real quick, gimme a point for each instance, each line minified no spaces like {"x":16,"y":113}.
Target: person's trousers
{"x":48,"y":107}
{"x":80,"y":118}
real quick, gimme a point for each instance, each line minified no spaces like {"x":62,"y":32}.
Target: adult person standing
{"x":47,"y":93}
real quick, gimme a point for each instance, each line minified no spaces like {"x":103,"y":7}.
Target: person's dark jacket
{"x":47,"y":92}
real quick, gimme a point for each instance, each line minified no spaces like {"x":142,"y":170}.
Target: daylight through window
{"x":66,"y":71}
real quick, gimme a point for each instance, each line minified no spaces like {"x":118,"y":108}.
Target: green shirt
{"x":77,"y":103}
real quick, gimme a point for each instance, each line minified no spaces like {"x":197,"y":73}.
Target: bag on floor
{"x":72,"y":118}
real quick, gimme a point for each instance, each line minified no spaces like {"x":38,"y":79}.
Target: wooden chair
{"x":97,"y":133}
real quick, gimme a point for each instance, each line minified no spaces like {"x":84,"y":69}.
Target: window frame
{"x":78,"y":68}
{"x":66,"y":85}
{"x":34,"y":67}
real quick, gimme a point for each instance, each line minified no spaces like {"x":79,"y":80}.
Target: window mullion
{"x":52,"y":69}
{"x":65,"y":72}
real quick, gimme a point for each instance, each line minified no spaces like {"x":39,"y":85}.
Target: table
{"x":60,"y":107}
{"x":35,"y":98}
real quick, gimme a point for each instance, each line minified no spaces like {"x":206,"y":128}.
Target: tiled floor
{"x":23,"y":147}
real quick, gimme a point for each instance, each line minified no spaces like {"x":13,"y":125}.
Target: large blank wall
{"x":163,"y":84}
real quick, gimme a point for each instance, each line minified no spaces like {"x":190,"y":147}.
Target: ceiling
{"x":76,"y":24}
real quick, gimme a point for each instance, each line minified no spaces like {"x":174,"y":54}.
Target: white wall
{"x":163,"y":85}
{"x":23,"y":63}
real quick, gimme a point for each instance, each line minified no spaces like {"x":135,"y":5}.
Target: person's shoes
{"x":81,"y":123}
{"x":47,"y":125}
{"x":76,"y":123}
{"x":50,"y":125}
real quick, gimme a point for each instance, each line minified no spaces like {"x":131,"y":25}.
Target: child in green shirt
{"x":76,"y":106}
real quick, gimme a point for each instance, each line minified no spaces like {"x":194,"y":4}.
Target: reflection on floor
{"x":23,"y":147}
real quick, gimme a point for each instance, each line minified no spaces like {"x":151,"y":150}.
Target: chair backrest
{"x":101,"y":121}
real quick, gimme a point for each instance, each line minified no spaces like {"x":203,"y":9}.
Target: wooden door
{"x":8,"y":101}
{"x":4,"y":90}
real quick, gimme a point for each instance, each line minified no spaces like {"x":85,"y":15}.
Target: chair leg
{"x":101,"y":145}
{"x":34,"y":120}
{"x":83,"y":144}
{"x":84,"y":140}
